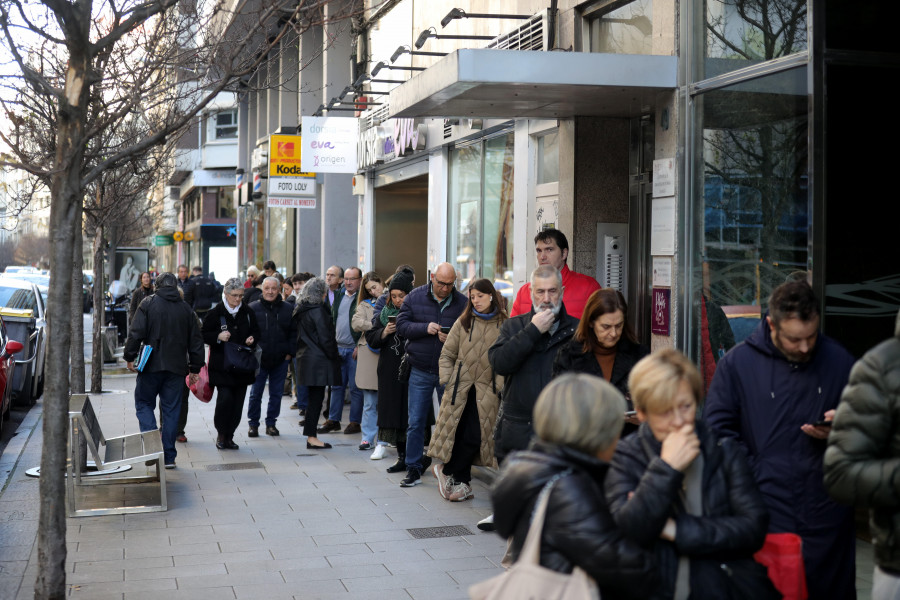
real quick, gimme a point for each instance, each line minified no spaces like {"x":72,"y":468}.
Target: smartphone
{"x":630,"y":413}
{"x":392,"y":319}
{"x":823,"y":423}
{"x":445,"y":329}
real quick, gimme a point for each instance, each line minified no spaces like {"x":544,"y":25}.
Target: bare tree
{"x":162,"y":59}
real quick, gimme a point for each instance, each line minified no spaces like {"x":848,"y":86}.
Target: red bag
{"x":202,"y":390}
{"x":782,"y":555}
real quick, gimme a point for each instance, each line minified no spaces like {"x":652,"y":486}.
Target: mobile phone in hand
{"x":445,"y":329}
{"x":392,"y":319}
{"x":630,"y":413}
{"x":823,"y":423}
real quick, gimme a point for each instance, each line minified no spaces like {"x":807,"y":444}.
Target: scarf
{"x":485,"y":316}
{"x":231,"y":311}
{"x":388,"y":311}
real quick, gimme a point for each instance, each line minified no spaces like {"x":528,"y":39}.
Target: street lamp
{"x":458,"y":13}
{"x":431,"y":32}
{"x":407,"y":50}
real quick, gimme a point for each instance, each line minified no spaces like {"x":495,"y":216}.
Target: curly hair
{"x":313,"y":291}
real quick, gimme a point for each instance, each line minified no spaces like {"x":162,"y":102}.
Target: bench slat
{"x":115,"y":450}
{"x":134,"y":446}
{"x":152,"y":442}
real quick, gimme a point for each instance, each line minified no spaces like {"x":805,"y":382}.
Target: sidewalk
{"x":297,"y":524}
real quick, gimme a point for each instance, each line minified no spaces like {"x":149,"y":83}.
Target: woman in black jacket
{"x":142,"y":291}
{"x":676,"y":488}
{"x":229,"y":322}
{"x":604,"y":345}
{"x":577,"y":419}
{"x":317,"y":354}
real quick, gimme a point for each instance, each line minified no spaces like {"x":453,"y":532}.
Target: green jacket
{"x":862,"y":462}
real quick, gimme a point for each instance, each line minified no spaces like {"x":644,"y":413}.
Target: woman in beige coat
{"x":463,"y":435}
{"x":367,"y":361}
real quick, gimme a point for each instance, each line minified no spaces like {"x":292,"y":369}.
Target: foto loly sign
{"x":329,"y":144}
{"x":292,"y":186}
{"x":284,"y":156}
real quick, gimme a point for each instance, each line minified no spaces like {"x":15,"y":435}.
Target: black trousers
{"x":313,"y":408}
{"x":466,"y":444}
{"x":182,"y":417}
{"x":229,"y":408}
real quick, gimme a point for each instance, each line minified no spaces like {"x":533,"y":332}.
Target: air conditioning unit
{"x":259,"y":159}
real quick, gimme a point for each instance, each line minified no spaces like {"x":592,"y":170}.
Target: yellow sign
{"x":284,"y":156}
{"x":188,"y":236}
{"x":178,"y":236}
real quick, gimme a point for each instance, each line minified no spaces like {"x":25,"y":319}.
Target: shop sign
{"x":284,"y":156}
{"x":393,"y":139}
{"x":329,"y":144}
{"x":292,"y":186}
{"x":290,"y":202}
{"x":163,"y":240}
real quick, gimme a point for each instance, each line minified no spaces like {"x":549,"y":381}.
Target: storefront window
{"x":738,"y":33}
{"x":281,"y":238}
{"x":481,"y":220}
{"x":548,"y":158}
{"x":751,"y":213}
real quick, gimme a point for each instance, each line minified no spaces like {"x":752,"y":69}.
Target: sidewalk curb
{"x":16,"y":446}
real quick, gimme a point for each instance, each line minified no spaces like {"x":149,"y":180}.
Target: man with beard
{"x":776,"y":393}
{"x":524,"y":355}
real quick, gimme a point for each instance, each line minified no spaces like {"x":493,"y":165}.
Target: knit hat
{"x":401,"y":281}
{"x":166,"y":280}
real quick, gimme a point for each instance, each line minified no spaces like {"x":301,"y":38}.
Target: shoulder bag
{"x":527,"y":578}
{"x":239,"y":359}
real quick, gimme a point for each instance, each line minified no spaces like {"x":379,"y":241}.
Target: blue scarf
{"x":485,"y":316}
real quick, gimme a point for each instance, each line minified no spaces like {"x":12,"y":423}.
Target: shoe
{"x":352,"y":428}
{"x":487,"y":523}
{"x":253,"y":431}
{"x":220,"y":443}
{"x":413,"y":478}
{"x":378,"y":454}
{"x":302,"y":412}
{"x":293,"y":406}
{"x":181,"y":438}
{"x":365,"y":446}
{"x":230,"y":445}
{"x":170,"y":465}
{"x":324,"y":446}
{"x":272,"y":430}
{"x":444,"y":482}
{"x":460,"y":491}
{"x":302,"y":422}
{"x":399,"y":466}
{"x":329,"y":426}
{"x":426,"y":463}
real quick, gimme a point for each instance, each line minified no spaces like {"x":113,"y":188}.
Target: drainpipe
{"x":552,"y":24}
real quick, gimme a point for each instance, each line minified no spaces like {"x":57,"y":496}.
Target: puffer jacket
{"x":463,"y":364}
{"x":278,"y":330}
{"x":573,"y":358}
{"x":732,"y":526}
{"x":578,"y":529}
{"x":366,"y":357}
{"x":419,"y":309}
{"x":861,"y":462}
{"x":167,"y":323}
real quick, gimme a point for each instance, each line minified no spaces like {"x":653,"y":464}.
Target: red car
{"x":8,"y":347}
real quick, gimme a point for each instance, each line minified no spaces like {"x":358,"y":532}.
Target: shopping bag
{"x":202,"y":390}
{"x":782,"y":555}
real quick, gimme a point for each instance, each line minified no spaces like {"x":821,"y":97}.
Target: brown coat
{"x":464,"y":363}
{"x":366,"y":360}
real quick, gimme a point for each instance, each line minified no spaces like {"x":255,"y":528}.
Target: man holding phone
{"x":428,"y":313}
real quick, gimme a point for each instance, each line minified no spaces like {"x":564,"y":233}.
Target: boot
{"x":220,"y":442}
{"x":399,"y":466}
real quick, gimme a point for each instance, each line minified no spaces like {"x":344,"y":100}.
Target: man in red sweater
{"x":552,"y":248}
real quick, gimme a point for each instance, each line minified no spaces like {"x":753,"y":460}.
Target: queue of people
{"x":651,"y":489}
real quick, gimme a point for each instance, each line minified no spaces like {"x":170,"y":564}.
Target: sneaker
{"x":170,"y":465}
{"x":352,"y":428}
{"x":329,"y":426}
{"x":460,"y":491}
{"x":487,"y":523}
{"x":365,"y":445}
{"x":272,"y":430}
{"x":413,"y":477}
{"x":181,"y":439}
{"x":380,"y":451}
{"x":253,"y":431}
{"x":293,"y":406}
{"x":444,"y":482}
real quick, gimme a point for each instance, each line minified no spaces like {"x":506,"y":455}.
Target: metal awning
{"x":545,"y":85}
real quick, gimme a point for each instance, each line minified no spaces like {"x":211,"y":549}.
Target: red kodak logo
{"x":286,"y":149}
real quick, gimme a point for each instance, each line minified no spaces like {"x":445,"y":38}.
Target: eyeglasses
{"x":443,"y":284}
{"x":237,"y":295}
{"x":352,"y":278}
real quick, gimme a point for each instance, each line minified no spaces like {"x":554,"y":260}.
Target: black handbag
{"x":748,"y":580}
{"x":239,"y":359}
{"x":405,"y":368}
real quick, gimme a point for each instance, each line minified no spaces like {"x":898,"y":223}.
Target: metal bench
{"x":143,"y":448}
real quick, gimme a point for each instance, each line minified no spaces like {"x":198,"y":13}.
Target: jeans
{"x":421,"y":388}
{"x":348,"y":378}
{"x":369,"y":424}
{"x":167,"y":386}
{"x":276,"y":377}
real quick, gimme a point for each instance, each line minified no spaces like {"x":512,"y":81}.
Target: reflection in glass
{"x":465,"y":200}
{"x":548,"y":158}
{"x":626,"y":30}
{"x":498,"y":203}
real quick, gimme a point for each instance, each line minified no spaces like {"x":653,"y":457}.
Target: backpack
{"x":204,"y":293}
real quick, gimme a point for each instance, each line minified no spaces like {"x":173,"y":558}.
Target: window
{"x":617,"y":28}
{"x":223,"y":125}
{"x":548,"y":158}
{"x":225,"y":203}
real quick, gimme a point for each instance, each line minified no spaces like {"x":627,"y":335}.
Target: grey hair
{"x":313,"y":291}
{"x":545,"y":272}
{"x":581,"y":411}
{"x":233,"y":284}
{"x":272,"y":278}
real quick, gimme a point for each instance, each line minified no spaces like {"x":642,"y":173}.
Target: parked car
{"x":23,"y":308}
{"x":8,"y":348}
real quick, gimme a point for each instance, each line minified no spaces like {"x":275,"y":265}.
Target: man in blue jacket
{"x":773,"y":392}
{"x":425,"y":318}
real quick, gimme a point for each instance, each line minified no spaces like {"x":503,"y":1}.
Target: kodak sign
{"x":284,"y":157}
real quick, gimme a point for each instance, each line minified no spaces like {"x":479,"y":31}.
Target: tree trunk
{"x":99,"y":315}
{"x":77,"y":350}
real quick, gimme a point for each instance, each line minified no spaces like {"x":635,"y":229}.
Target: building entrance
{"x":401,"y":226}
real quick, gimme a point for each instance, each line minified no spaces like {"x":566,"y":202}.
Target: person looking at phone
{"x":427,"y":308}
{"x":767,"y":393}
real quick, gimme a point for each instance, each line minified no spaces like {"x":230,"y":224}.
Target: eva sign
{"x":329,"y":144}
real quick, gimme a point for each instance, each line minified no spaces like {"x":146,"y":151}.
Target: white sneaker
{"x":460,"y":491}
{"x":487,"y":523}
{"x":379,"y":452}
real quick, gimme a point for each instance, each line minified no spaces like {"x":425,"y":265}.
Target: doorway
{"x":401,"y":226}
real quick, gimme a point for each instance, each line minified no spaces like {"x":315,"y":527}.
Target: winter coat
{"x":419,"y":309}
{"x":251,"y":295}
{"x":187,"y":288}
{"x":572,"y":357}
{"x":206,"y":294}
{"x":366,"y":359}
{"x":578,"y":529}
{"x":463,"y":364}
{"x":317,"y":353}
{"x":732,"y":526}
{"x":524,"y":356}
{"x":578,"y":286}
{"x":761,"y":398}
{"x":241,"y":326}
{"x":861,"y":462}
{"x":137,"y":296}
{"x":167,"y":323}
{"x":392,"y":393}
{"x":277,"y":329}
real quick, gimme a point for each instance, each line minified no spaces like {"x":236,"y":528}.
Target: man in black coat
{"x":278,"y":340}
{"x":166,"y":323}
{"x":524,"y":355}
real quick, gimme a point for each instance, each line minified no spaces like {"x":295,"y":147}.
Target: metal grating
{"x":375,"y":116}
{"x":235,"y":466}
{"x":423,"y":533}
{"x":531,"y":35}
